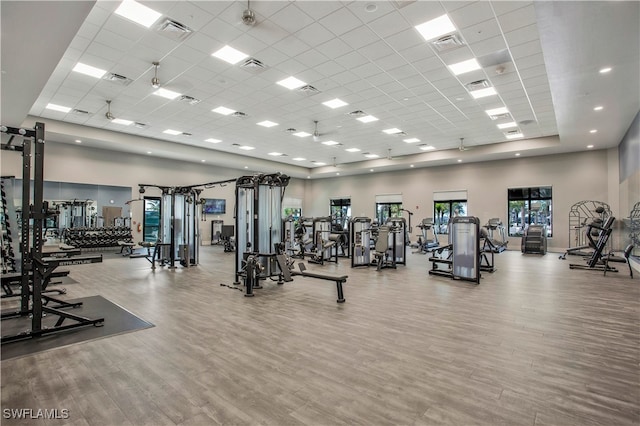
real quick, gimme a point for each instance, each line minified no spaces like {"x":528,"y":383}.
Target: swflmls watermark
{"x":34,"y":414}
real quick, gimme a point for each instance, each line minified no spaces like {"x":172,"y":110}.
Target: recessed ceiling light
{"x":267,"y":123}
{"x":392,"y":131}
{"x":412,"y":166}
{"x":89,"y":70}
{"x":246,"y":167}
{"x":172,"y":132}
{"x":212,"y":140}
{"x":367,"y":119}
{"x":497,"y":111}
{"x":302,"y":134}
{"x":605,"y":70}
{"x":308,"y":177}
{"x":464,"y":66}
{"x":330,"y":143}
{"x":436,"y":27}
{"x":517,"y":154}
{"x":353,"y":149}
{"x":411,"y":140}
{"x":223,"y":110}
{"x":370,"y":170}
{"x":275,"y":154}
{"x":58,"y":108}
{"x":514,"y":135}
{"x":291,"y":83}
{"x":246,"y":148}
{"x":335,"y":103}
{"x":337,"y":173}
{"x":319,"y":163}
{"x":598,"y":108}
{"x":122,"y":121}
{"x":489,"y":91}
{"x":427,"y":148}
{"x":229,"y":54}
{"x":459,"y":161}
{"x":298,"y":159}
{"x":78,"y":141}
{"x":203,"y":161}
{"x":593,"y":131}
{"x":149,"y":152}
{"x":138,"y":13}
{"x":371,"y":155}
{"x":589,"y":146}
{"x":371,"y":7}
{"x":165,"y":93}
{"x":507,"y":125}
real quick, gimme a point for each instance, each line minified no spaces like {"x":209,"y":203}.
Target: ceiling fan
{"x":248,"y":15}
{"x":462,"y":147}
{"x":316,"y":133}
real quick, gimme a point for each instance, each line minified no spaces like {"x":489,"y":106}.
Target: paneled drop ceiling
{"x":543,"y":59}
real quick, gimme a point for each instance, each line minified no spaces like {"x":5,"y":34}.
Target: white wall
{"x":71,"y":163}
{"x":574,"y":177}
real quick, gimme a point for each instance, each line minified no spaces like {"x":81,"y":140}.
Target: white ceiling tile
{"x":417,"y":52}
{"x":333,"y":48}
{"x":527,"y":73}
{"x":490,"y":45}
{"x":213,"y":8}
{"x":480,"y":31}
{"x":314,"y":34}
{"x":311,"y":58}
{"x":403,"y":72}
{"x":471,"y":14}
{"x":203,"y":43}
{"x":522,"y":35}
{"x":351,"y":60}
{"x":359,"y":37}
{"x":271,"y":57}
{"x":389,"y":24}
{"x":453,"y":5}
{"x":376,"y":50}
{"x":526,"y":49}
{"x":517,"y":18}
{"x":291,"y":18}
{"x":530,"y":61}
{"x":190,"y":14}
{"x":456,"y":55}
{"x":344,"y":77}
{"x":422,"y":11}
{"x":248,"y":44}
{"x":389,"y":62}
{"x":367,"y":70}
{"x":291,"y":46}
{"x":329,"y":68}
{"x":340,"y":21}
{"x":379,"y":79}
{"x":319,"y":9}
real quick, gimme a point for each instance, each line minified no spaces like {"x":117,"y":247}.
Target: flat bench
{"x":339,"y":280}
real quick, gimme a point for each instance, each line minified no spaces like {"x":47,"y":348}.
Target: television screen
{"x":215,"y":206}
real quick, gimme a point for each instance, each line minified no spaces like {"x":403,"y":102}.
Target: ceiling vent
{"x":174,"y":30}
{"x":141,"y":125}
{"x":187,"y":134}
{"x":513,"y":132}
{"x":477,"y":85}
{"x":117,"y":78}
{"x":81,"y":112}
{"x":308,"y":90}
{"x":189,"y":99}
{"x":448,"y":42}
{"x":400,"y":134}
{"x":239,"y":114}
{"x":357,"y":113}
{"x":403,"y":3}
{"x":291,"y":130}
{"x":500,"y":116}
{"x":253,"y":66}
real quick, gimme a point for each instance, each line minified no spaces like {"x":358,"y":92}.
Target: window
{"x":294,"y":212}
{"x":151,"y":219}
{"x":529,"y":206}
{"x":443,"y":211}
{"x":340,"y":213}
{"x":386,"y":210}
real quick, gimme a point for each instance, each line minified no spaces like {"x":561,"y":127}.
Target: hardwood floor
{"x":534,"y":344}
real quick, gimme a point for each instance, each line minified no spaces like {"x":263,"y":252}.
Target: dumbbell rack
{"x":85,"y":237}
{"x":7,"y":213}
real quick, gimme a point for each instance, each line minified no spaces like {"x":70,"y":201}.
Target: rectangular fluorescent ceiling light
{"x":371,"y":155}
{"x":367,"y":119}
{"x":291,"y":83}
{"x":172,"y":132}
{"x":489,"y":91}
{"x":330,"y":143}
{"x":212,"y":140}
{"x":222,"y":110}
{"x":427,"y":148}
{"x":138,"y":13}
{"x":497,"y":111}
{"x":298,"y":159}
{"x":319,"y":163}
{"x":302,"y":134}
{"x":392,"y":131}
{"x":464,"y":66}
{"x":58,"y":108}
{"x":507,"y":125}
{"x":514,"y":135}
{"x":411,"y":140}
{"x":436,"y":27}
{"x":165,"y":93}
{"x":353,"y":149}
{"x":122,"y":121}
{"x":335,"y":103}
{"x":246,"y":148}
{"x":89,"y":70}
{"x":229,"y":54}
{"x":275,"y":154}
{"x":267,"y":123}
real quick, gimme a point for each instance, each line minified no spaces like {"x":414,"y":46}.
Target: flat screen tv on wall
{"x":215,"y":206}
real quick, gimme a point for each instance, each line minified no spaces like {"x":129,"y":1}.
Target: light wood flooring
{"x":534,"y":344}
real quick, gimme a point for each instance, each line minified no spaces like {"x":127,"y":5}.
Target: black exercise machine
{"x":534,"y":240}
{"x":596,"y":260}
{"x":226,"y":236}
{"x":460,"y":260}
{"x":488,"y":233}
